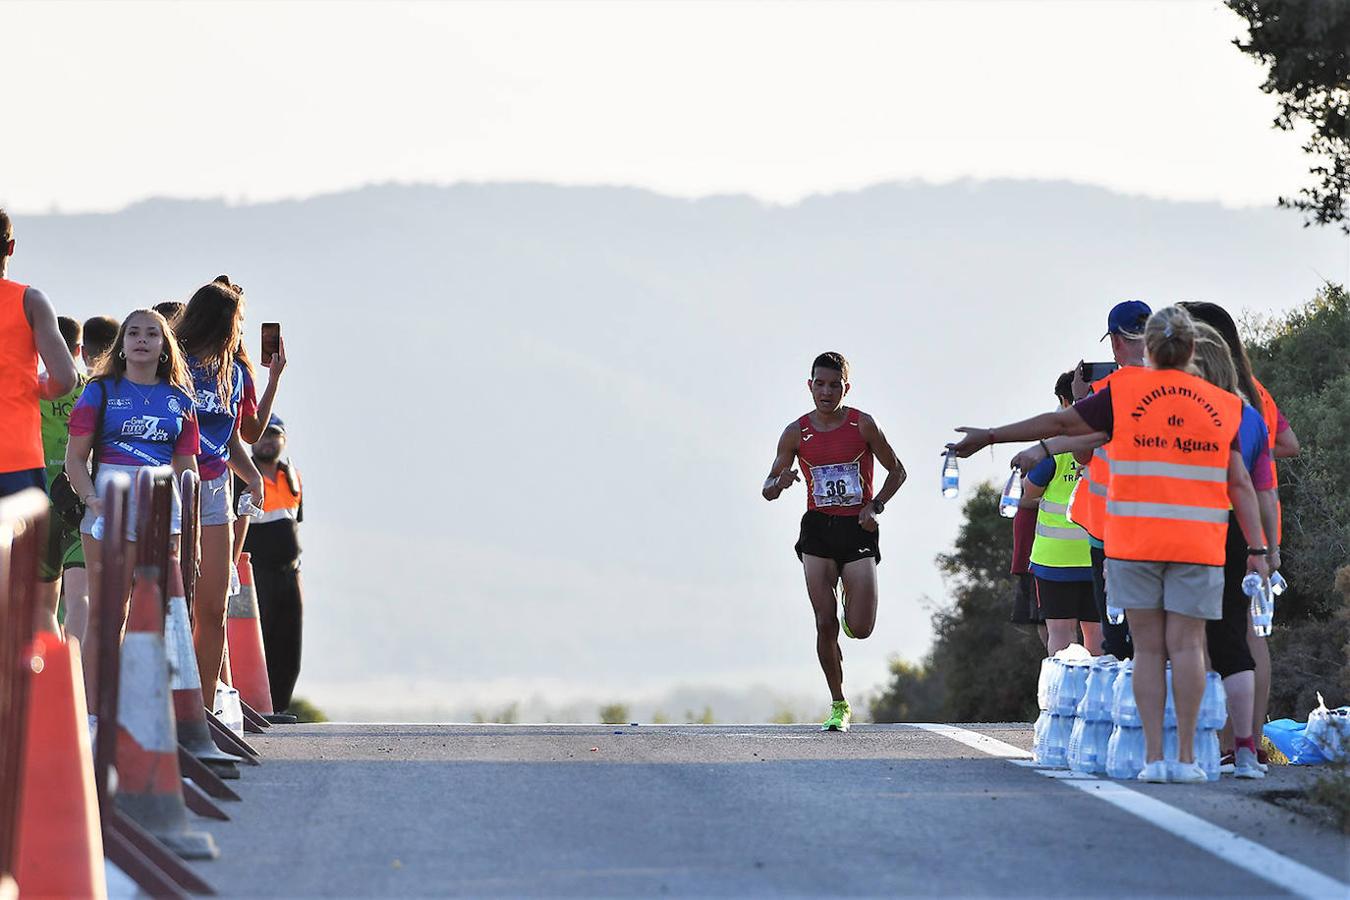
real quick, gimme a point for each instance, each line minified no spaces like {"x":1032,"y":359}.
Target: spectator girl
{"x":140,"y":402}
{"x":208,"y":333}
{"x":1227,"y":638}
{"x":1283,"y":444}
{"x":1176,"y":469}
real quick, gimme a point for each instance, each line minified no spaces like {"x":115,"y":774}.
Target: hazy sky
{"x":111,"y":102}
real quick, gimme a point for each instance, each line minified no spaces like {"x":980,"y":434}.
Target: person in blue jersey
{"x":209,"y":334}
{"x":136,"y":411}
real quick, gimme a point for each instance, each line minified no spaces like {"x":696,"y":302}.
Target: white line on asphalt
{"x":974,"y":739}
{"x":1229,"y":846}
{"x":1232,"y":848}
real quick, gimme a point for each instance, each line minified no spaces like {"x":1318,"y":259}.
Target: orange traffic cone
{"x":150,"y":788}
{"x":248,"y":659}
{"x":60,"y":843}
{"x":188,"y":712}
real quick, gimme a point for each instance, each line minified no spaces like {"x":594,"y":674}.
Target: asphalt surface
{"x":356,"y":810}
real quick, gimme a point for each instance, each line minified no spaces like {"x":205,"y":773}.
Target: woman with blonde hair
{"x":1227,"y":637}
{"x":1176,"y":470}
{"x":136,"y":411}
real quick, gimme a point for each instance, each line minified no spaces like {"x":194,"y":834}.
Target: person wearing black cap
{"x":273,"y":545}
{"x":1125,"y":327}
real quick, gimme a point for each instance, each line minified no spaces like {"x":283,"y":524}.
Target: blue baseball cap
{"x":275,"y":424}
{"x":1128,"y":318}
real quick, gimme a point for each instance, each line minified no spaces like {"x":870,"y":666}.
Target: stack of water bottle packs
{"x":1089,"y":721}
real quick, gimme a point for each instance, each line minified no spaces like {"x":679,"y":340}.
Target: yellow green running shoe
{"x":840,"y":717}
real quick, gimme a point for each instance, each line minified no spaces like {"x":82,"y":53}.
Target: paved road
{"x":409,"y":810}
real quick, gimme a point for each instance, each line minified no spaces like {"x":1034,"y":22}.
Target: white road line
{"x":1231,"y":848}
{"x":974,"y":739}
{"x":1228,"y":846}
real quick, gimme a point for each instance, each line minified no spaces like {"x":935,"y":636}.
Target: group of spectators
{"x":173,"y":385}
{"x":1148,"y":496}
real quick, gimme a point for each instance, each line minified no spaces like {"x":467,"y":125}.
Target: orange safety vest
{"x":1087,"y":509}
{"x":20,"y":412}
{"x":1167,"y":499}
{"x":1271,"y":414}
{"x":279,"y":501}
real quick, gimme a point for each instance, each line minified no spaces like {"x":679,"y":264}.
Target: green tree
{"x":1303,"y":358}
{"x":614,"y":714}
{"x":914,"y":694}
{"x":1305,"y":45}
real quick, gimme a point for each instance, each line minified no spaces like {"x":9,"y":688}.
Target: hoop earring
{"x":164,"y":357}
{"x":121,"y":354}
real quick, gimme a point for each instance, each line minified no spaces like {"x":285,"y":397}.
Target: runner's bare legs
{"x":822,"y":579}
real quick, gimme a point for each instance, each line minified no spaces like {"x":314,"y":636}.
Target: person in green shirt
{"x":63,"y":562}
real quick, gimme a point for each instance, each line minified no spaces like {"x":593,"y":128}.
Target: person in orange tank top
{"x":28,"y":332}
{"x":839,"y":533}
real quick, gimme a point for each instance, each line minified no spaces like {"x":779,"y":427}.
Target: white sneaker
{"x":1187,"y":773}
{"x":1155,"y":772}
{"x":1246,"y":765}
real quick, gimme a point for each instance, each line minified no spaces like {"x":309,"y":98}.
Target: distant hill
{"x":533,"y":420}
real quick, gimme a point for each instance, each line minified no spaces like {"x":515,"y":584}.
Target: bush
{"x":305,"y":711}
{"x":614,"y":714}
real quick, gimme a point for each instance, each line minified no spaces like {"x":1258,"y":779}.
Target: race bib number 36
{"x":839,"y":484}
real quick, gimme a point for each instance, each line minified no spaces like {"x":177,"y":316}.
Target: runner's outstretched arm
{"x":1061,"y":421}
{"x":781,"y":473}
{"x":895,"y":470}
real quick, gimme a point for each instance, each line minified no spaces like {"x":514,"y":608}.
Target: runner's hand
{"x":1258,"y":565}
{"x":1027,"y":459}
{"x":868,"y":518}
{"x":975,"y":440}
{"x":787,"y":479}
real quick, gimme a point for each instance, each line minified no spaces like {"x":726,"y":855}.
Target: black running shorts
{"x":1066,"y":600}
{"x":839,"y":538}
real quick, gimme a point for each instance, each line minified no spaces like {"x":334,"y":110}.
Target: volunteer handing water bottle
{"x":1176,"y":468}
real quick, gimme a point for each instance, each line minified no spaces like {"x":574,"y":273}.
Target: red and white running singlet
{"x":837,"y":465}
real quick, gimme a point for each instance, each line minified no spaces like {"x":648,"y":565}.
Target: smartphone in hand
{"x":271,"y":341}
{"x":1096,"y":371}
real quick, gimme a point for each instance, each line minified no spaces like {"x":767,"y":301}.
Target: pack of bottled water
{"x":1125,"y":749}
{"x":1063,"y":685}
{"x":1092,"y":727}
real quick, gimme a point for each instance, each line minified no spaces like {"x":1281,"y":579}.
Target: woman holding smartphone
{"x":140,"y":402}
{"x":209,"y":334}
{"x":1176,"y":471}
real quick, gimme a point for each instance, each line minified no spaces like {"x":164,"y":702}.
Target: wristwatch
{"x":878,"y":507}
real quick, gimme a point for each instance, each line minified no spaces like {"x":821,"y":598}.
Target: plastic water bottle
{"x":1263,"y":604}
{"x":1277,"y":584}
{"x":1124,"y":712}
{"x":246,"y":507}
{"x":229,"y":709}
{"x":1125,"y":752}
{"x":1056,"y":754}
{"x":1115,"y":615}
{"x":951,"y":476}
{"x":1012,"y":496}
{"x":96,"y":530}
{"x":1214,"y":704}
{"x":1207,"y":752}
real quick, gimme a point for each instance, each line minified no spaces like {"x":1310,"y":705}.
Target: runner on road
{"x":839,"y":533}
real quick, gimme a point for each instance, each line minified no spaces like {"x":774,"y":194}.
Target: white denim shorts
{"x":216,"y":506}
{"x":105,"y":474}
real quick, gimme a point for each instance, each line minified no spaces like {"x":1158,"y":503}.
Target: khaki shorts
{"x":1187,"y":589}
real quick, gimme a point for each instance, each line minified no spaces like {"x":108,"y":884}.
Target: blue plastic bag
{"x":1288,"y":737}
